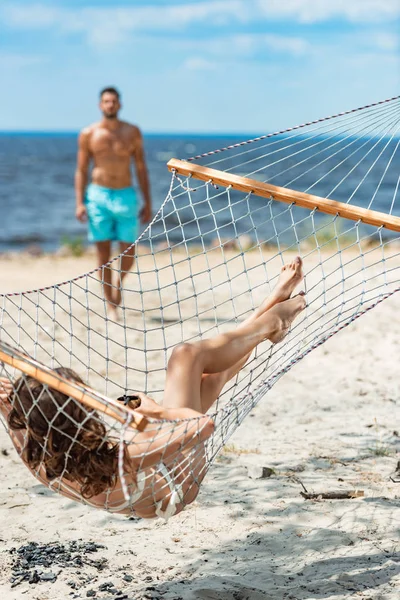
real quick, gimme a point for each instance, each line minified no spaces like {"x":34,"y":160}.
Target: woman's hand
{"x":148,"y":407}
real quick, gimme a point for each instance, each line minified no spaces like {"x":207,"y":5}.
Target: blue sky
{"x":195,"y":65}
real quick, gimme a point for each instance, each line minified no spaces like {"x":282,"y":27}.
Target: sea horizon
{"x":37,"y":198}
{"x":197,"y":134}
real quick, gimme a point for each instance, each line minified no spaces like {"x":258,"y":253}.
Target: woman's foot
{"x":285,"y":312}
{"x":291,"y":275}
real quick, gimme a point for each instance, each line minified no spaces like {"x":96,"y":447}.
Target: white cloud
{"x":144,"y":18}
{"x":14,"y":61}
{"x":116,"y":22}
{"x":105,"y":27}
{"x":34,"y":16}
{"x":198,"y":63}
{"x":291,"y":45}
{"x":243,"y":46}
{"x":247,"y":45}
{"x":382,"y":40}
{"x":312,"y":11}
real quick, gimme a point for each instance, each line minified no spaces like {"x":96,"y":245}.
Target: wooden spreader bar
{"x":266,"y":190}
{"x":79,"y":392}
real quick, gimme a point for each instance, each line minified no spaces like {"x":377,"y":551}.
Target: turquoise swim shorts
{"x":112,"y":214}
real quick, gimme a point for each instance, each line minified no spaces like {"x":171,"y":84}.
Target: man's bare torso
{"x":111,"y":150}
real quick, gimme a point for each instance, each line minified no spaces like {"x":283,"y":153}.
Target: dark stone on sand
{"x":32,"y":555}
{"x":17,"y":582}
{"x":128,"y":578}
{"x":34,"y":577}
{"x":257,"y":472}
{"x":91,"y":593}
{"x":297,"y":468}
{"x":50,"y":576}
{"x":106,"y":586}
{"x":92,"y":547}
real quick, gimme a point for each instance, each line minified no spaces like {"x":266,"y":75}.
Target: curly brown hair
{"x":63,"y":437}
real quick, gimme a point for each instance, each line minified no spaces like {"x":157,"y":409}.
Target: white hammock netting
{"x":209,"y":257}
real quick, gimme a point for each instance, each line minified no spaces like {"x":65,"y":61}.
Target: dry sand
{"x":331,"y":423}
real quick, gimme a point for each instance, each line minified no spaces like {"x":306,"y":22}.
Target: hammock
{"x":326,"y":190}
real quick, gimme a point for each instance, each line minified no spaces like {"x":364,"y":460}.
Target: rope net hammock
{"x":327,"y":191}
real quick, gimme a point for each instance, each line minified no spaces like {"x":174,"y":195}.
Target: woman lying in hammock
{"x":65,"y":445}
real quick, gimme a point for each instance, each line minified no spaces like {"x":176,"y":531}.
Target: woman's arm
{"x":182,"y":429}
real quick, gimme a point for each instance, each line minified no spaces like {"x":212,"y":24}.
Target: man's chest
{"x":111,"y":143}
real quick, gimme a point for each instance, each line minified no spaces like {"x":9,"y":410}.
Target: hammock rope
{"x":327,"y":190}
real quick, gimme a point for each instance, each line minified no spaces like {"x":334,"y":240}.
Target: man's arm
{"x":142,"y":176}
{"x":81,"y":174}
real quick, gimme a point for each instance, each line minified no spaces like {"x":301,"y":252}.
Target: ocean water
{"x":37,"y":203}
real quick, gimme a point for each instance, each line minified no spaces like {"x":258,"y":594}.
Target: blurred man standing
{"x":109,"y":203}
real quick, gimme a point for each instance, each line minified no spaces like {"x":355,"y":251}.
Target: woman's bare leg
{"x":212,"y":384}
{"x":191,"y":384}
{"x":189,"y":362}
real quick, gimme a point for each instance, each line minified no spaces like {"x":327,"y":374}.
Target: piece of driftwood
{"x":338,"y":495}
{"x":396,"y":473}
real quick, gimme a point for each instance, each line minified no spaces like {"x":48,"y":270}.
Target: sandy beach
{"x":330,"y":424}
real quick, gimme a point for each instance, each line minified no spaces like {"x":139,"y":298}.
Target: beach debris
{"x":107,"y":586}
{"x":50,"y":576}
{"x":296,"y":468}
{"x":258,"y":472}
{"x":333,"y":495}
{"x":396,"y":474}
{"x":337,"y":495}
{"x":34,"y":250}
{"x":32,"y":559}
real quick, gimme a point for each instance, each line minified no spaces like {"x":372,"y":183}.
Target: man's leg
{"x":125,"y":264}
{"x":103,"y":256}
